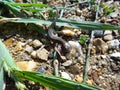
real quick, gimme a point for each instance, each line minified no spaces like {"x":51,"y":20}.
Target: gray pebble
{"x":41,"y":70}
{"x":98,"y":33}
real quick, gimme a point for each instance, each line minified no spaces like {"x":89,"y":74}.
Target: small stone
{"x":42,"y":54}
{"x":114,"y":67}
{"x":75,"y":69}
{"x":19,"y":47}
{"x":100,"y":46}
{"x":26,"y":58}
{"x":103,"y":56}
{"x":28,"y":49}
{"x":34,"y":54}
{"x":75,"y":45}
{"x":63,"y":58}
{"x":27,"y":65}
{"x":94,"y":67}
{"x":107,"y":32}
{"x":29,"y":41}
{"x":36,"y":43}
{"x":114,"y":15}
{"x":115,"y":56}
{"x":108,"y":35}
{"x":115,"y":32}
{"x":104,"y":63}
{"x":80,"y":60}
{"x":65,"y":75}
{"x":90,"y":82}
{"x":78,"y":12}
{"x":41,"y":70}
{"x":67,"y":63}
{"x":95,"y":76}
{"x":101,"y":77}
{"x":98,"y":33}
{"x":68,"y":32}
{"x":78,"y":78}
{"x":103,"y":85}
{"x":113,"y":44}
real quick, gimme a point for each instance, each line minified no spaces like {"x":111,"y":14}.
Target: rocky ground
{"x":34,"y":51}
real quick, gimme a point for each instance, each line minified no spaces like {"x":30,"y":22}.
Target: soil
{"x":29,"y":55}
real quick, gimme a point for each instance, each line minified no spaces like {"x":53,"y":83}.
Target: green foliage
{"x":107,"y":8}
{"x":8,"y":64}
{"x":29,"y":4}
{"x":87,"y":25}
{"x":83,"y":39}
{"x":1,"y":76}
{"x":52,"y":14}
{"x":56,"y":83}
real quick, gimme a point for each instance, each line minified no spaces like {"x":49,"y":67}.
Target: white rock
{"x":117,"y":54}
{"x":104,"y":56}
{"x":67,"y":63}
{"x":28,"y":49}
{"x":36,"y":43}
{"x":65,"y":75}
{"x":114,"y":15}
{"x":113,"y":43}
{"x":108,"y":37}
{"x":78,"y":12}
{"x":107,"y":32}
{"x":19,"y":46}
{"x":34,"y":54}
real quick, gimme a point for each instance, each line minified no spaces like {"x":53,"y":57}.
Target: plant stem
{"x":55,"y":64}
{"x":89,"y":47}
{"x":87,"y":58}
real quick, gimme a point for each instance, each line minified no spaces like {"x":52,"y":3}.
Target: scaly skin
{"x":65,"y":45}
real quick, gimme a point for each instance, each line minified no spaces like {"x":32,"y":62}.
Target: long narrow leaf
{"x":5,"y":55}
{"x":89,"y":25}
{"x":8,"y":65}
{"x":1,"y":76}
{"x":44,"y":9}
{"x":53,"y":82}
{"x":15,"y":10}
{"x":29,"y":4}
{"x":72,"y":23}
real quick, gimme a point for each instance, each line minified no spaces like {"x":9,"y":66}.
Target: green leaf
{"x":71,"y":23}
{"x":15,"y":10}
{"x":8,"y":65}
{"x":56,"y":83}
{"x":45,"y":9}
{"x":83,"y":39}
{"x":29,"y":4}
{"x":5,"y":55}
{"x":89,"y":25}
{"x":1,"y":76}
